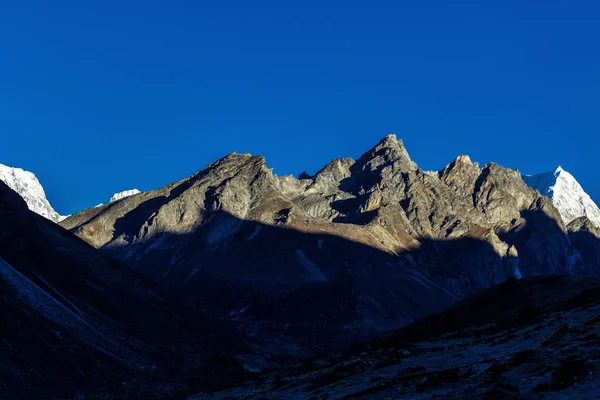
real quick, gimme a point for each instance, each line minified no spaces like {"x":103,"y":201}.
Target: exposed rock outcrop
{"x":362,"y":246}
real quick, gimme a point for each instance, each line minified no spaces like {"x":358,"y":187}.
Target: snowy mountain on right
{"x":567,"y":195}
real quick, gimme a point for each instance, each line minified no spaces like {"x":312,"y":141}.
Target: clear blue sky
{"x":102,"y":96}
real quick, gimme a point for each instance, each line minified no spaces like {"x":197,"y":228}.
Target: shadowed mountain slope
{"x":75,"y":320}
{"x":523,"y":339}
{"x":362,"y":246}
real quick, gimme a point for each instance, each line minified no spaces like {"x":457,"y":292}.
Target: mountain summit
{"x":567,"y":195}
{"x":298,"y":266}
{"x":362,"y":246}
{"x":29,"y":188}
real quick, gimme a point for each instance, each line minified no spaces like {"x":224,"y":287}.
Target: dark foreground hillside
{"x":527,"y":339}
{"x":74,"y":322}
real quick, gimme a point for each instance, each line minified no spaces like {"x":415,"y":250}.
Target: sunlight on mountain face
{"x":259,"y":232}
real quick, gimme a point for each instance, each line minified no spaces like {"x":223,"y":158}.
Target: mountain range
{"x":273,"y":270}
{"x":376,"y":237}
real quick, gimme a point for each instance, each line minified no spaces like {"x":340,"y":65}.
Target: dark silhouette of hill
{"x":263,"y":285}
{"x":75,"y":320}
{"x":528,"y":338}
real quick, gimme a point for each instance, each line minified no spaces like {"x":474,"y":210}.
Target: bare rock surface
{"x":362,"y":246}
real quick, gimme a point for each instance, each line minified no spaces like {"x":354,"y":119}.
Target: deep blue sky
{"x":102,"y":96}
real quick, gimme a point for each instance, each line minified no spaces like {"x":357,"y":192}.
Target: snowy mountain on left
{"x":29,"y":188}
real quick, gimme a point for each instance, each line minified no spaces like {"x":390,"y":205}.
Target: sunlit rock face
{"x":359,"y":247}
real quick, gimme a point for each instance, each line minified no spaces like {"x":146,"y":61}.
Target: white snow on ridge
{"x":29,"y":188}
{"x":567,"y":195}
{"x":122,"y":195}
{"x":63,"y":217}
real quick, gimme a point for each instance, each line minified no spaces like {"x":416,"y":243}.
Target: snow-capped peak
{"x":122,"y":195}
{"x":29,"y":188}
{"x":567,"y":195}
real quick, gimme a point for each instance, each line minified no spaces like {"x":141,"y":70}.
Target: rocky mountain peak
{"x":328,"y":179}
{"x":382,"y":165}
{"x":389,"y":151}
{"x":234,"y":164}
{"x":231,"y":157}
{"x":460,"y":172}
{"x":463,"y":159}
{"x":236,"y":225}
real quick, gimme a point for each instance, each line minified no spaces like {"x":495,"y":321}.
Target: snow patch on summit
{"x":29,"y":188}
{"x":567,"y":195}
{"x":123,"y":194}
